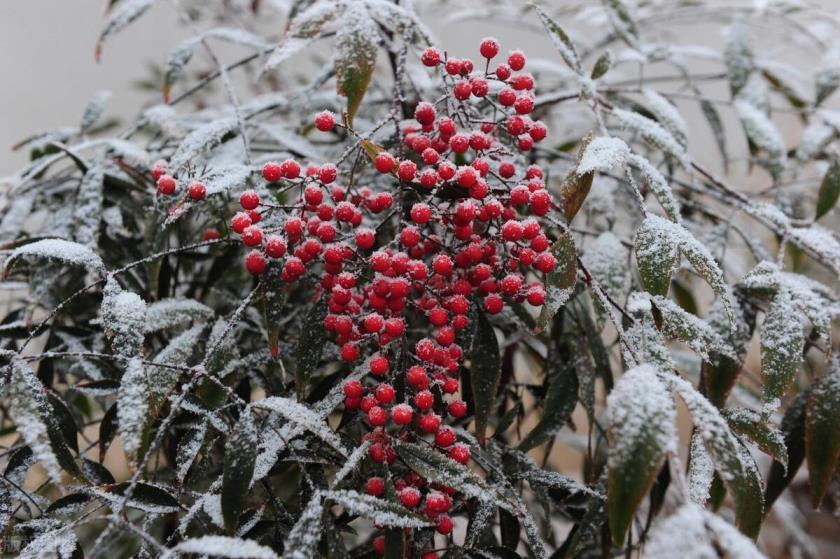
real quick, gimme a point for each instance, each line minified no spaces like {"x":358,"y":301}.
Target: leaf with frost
{"x":641,"y":431}
{"x":820,"y":242}
{"x":94,"y":110}
{"x":119,"y":19}
{"x":357,"y":44}
{"x":829,"y":191}
{"x":739,"y":58}
{"x":301,"y":415}
{"x":644,"y":338}
{"x":763,"y":133}
{"x":667,"y":115}
{"x":171,"y":313}
{"x":188,"y":448}
{"x":123,"y":319}
{"x":654,"y":133}
{"x":602,"y":154}
{"x":576,"y":186}
{"x":302,"y":541}
{"x":560,"y":284}
{"x":602,"y":65}
{"x":759,"y":430}
{"x":304,"y":28}
{"x":815,"y":138}
{"x":36,"y":421}
{"x":694,"y":331}
{"x":56,"y":250}
{"x":827,"y":78}
{"x":222,"y":546}
{"x":380,"y":511}
{"x":240,"y":455}
{"x":701,"y":471}
{"x":782,"y":341}
{"x":133,"y":407}
{"x":622,"y":22}
{"x":659,"y":186}
{"x":733,"y":462}
{"x":177,"y":353}
{"x":606,"y":259}
{"x":202,"y":139}
{"x":225,"y":179}
{"x":695,"y":533}
{"x":87,"y":212}
{"x":561,"y":40}
{"x":60,"y":543}
{"x":15,"y":215}
{"x":822,"y":437}
{"x":352,"y":463}
{"x":147,"y":497}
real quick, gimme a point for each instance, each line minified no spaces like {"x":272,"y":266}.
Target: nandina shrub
{"x":290,"y":322}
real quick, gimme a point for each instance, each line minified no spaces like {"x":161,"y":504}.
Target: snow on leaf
{"x":147,"y":497}
{"x":353,"y":462}
{"x":606,"y":259}
{"x":133,"y":406}
{"x":701,"y":471}
{"x":88,"y":207}
{"x":60,"y":543}
{"x":303,"y":29}
{"x":35,"y":420}
{"x":299,"y":414}
{"x":820,"y":242}
{"x":222,"y":180}
{"x":94,"y":109}
{"x":641,"y":431}
{"x":222,"y":546}
{"x":59,"y":250}
{"x":123,"y":319}
{"x":829,"y":191}
{"x":177,"y":353}
{"x":782,"y":341}
{"x":659,"y":186}
{"x":822,"y":438}
{"x":15,"y":215}
{"x":202,"y":139}
{"x":380,"y":511}
{"x":560,"y":284}
{"x":603,"y":153}
{"x":188,"y":449}
{"x":739,"y":58}
{"x":694,"y":331}
{"x":120,"y":18}
{"x":815,"y":138}
{"x":622,"y":22}
{"x":755,"y":427}
{"x":240,"y":454}
{"x":695,"y":533}
{"x":668,"y":115}
{"x":561,"y":40}
{"x":171,"y":313}
{"x":827,"y":78}
{"x":657,"y":254}
{"x":357,"y":44}
{"x":654,"y":133}
{"x":303,"y":539}
{"x":763,"y":133}
{"x":643,"y":336}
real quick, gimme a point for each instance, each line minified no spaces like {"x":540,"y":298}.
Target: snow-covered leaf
{"x":57,"y":250}
{"x":822,"y":437}
{"x":202,"y":139}
{"x":485,"y":372}
{"x":829,"y":191}
{"x":560,"y":284}
{"x":301,"y":415}
{"x":657,"y":255}
{"x":607,"y":261}
{"x":357,"y":44}
{"x":739,"y":58}
{"x":576,"y":186}
{"x":602,"y":65}
{"x":820,"y":242}
{"x":302,"y":541}
{"x":763,"y":133}
{"x":701,"y":471}
{"x":827,"y":78}
{"x":641,"y":431}
{"x":622,"y":22}
{"x":240,"y":455}
{"x":560,"y":401}
{"x":380,"y":511}
{"x":667,"y":115}
{"x":119,"y":19}
{"x":659,"y":186}
{"x":654,"y":133}
{"x":303,"y":30}
{"x":171,"y":313}
{"x":222,"y":546}
{"x":759,"y":430}
{"x":150,"y":498}
{"x":123,"y":319}
{"x":133,"y":407}
{"x":94,"y":110}
{"x":782,"y":341}
{"x":602,"y":154}
{"x":60,"y":543}
{"x":310,"y":346}
{"x":694,"y":331}
{"x":561,"y":40}
{"x":88,"y":207}
{"x":188,"y":448}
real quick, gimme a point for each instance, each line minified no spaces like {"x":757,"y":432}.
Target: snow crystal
{"x":222,"y":546}
{"x":123,"y":318}
{"x":695,"y":533}
{"x":603,"y":153}
{"x":637,"y":408}
{"x":133,"y":405}
{"x":59,"y":250}
{"x":654,"y":133}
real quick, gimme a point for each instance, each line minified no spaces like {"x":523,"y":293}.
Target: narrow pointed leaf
{"x":782,"y":342}
{"x":829,"y":190}
{"x":822,"y":435}
{"x":356,"y":45}
{"x":485,"y":372}
{"x":240,"y":456}
{"x":560,"y":284}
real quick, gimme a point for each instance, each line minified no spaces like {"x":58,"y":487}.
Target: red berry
{"x":197,"y":191}
{"x":394,"y":327}
{"x":255,"y":262}
{"x":457,"y":408}
{"x":325,"y":121}
{"x":239,"y":222}
{"x":373,"y":323}
{"x":503,"y":72}
{"x":489,"y":47}
{"x":349,"y":352}
{"x":493,"y":304}
{"x":384,"y":162}
{"x":524,"y":104}
{"x":211,"y":234}
{"x":377,"y":416}
{"x":421,"y":213}
{"x":424,"y":400}
{"x":290,"y":169}
{"x":410,"y":497}
{"x":272,"y":172}
{"x":536,"y":296}
{"x":512,"y":231}
{"x":417,"y":377}
{"x":429,"y":422}
{"x":379,"y":544}
{"x":379,"y":366}
{"x":252,"y":236}
{"x":445,"y":437}
{"x":166,"y":185}
{"x":365,"y":238}
{"x":444,"y":524}
{"x":424,"y":113}
{"x":384,"y":393}
{"x":402,"y":414}
{"x":158,"y":169}
{"x":375,"y":486}
{"x":275,"y":247}
{"x":407,"y":170}
{"x":327,"y":173}
{"x":462,"y":90}
{"x":430,"y":57}
{"x":353,"y":389}
{"x":545,"y":262}
{"x":516,"y":60}
{"x":460,"y":453}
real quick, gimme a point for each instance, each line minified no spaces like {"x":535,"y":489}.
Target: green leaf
{"x":302,"y":541}
{"x":739,"y":59}
{"x":357,"y":46}
{"x":602,"y":65}
{"x":560,"y":401}
{"x":310,"y":346}
{"x":829,"y":190}
{"x":656,"y":256}
{"x":222,"y":546}
{"x":240,"y":456}
{"x":144,"y":496}
{"x":641,"y":430}
{"x":133,"y":409}
{"x":793,"y":429}
{"x":273,"y":302}
{"x":759,"y":430}
{"x":716,"y":124}
{"x":561,"y":40}
{"x":485,"y":372}
{"x":384,"y":513}
{"x":576,"y":187}
{"x":621,"y":21}
{"x":561,"y":282}
{"x":694,"y":331}
{"x":822,"y":435}
{"x":782,"y":341}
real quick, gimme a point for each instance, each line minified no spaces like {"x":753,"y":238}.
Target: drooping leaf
{"x":94,"y":109}
{"x":310,"y":346}
{"x":827,"y":78}
{"x":133,"y":408}
{"x":659,"y":186}
{"x":602,"y":154}
{"x":739,"y":59}
{"x":762,"y":133}
{"x":357,"y":44}
{"x":656,"y":255}
{"x":150,"y":498}
{"x":829,"y":191}
{"x":560,"y":284}
{"x":60,"y":542}
{"x":381,"y":511}
{"x":654,"y":133}
{"x":641,"y":430}
{"x":303,"y":29}
{"x":222,"y":546}
{"x":758,"y":430}
{"x":304,"y":417}
{"x":602,"y":65}
{"x":560,"y":401}
{"x":576,"y":186}
{"x":782,"y":341}
{"x":667,"y":115}
{"x":188,"y":448}
{"x":622,"y":22}
{"x":302,"y":541}
{"x":793,"y":429}
{"x":119,"y":19}
{"x":123,"y":319}
{"x":55,"y":250}
{"x":716,"y":124}
{"x":561,"y":40}
{"x":692,"y":330}
{"x":240,"y":456}
{"x":822,"y":436}
{"x":87,"y":213}
{"x":201,"y":139}
{"x":172,"y":313}
{"x":485,"y":372}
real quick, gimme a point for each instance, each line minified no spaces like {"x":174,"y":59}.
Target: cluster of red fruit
{"x":466,"y":213}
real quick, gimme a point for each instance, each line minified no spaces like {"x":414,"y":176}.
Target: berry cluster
{"x":450,"y":218}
